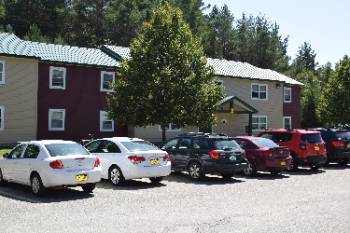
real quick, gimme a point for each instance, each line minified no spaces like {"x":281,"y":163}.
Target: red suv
{"x":306,"y":147}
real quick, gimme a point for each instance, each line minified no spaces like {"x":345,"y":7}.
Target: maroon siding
{"x":293,"y":109}
{"x":81,"y":99}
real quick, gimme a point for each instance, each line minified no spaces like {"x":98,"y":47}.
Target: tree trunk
{"x":163,"y":134}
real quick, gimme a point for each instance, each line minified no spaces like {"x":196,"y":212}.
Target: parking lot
{"x":302,"y":201}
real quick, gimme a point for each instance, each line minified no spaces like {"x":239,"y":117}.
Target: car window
{"x":31,"y":152}
{"x":201,"y":143}
{"x":108,"y":147}
{"x":222,"y":144}
{"x":245,"y":144}
{"x":343,"y":135}
{"x":185,"y":143}
{"x":278,"y":137}
{"x":264,"y":142}
{"x":93,"y":147}
{"x":328,"y":135}
{"x":266,"y":135}
{"x":171,"y":145}
{"x":17,"y":152}
{"x":64,"y":149}
{"x":139,"y":146}
{"x":311,"y":138}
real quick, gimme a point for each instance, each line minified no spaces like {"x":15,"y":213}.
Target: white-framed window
{"x":2,"y":117}
{"x":287,"y":93}
{"x":106,"y":124}
{"x":57,"y":77}
{"x":107,"y":78}
{"x":2,"y":72}
{"x":171,"y":128}
{"x":287,"y":122}
{"x":57,"y":119}
{"x":259,"y":91}
{"x":259,"y":122}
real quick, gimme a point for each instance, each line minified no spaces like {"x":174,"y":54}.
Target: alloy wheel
{"x":115,"y":176}
{"x":194,"y":170}
{"x":249,"y":170}
{"x":35,"y":185}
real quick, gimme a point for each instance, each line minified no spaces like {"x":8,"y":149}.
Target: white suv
{"x":125,"y":158}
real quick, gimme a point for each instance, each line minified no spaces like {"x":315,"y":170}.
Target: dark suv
{"x":201,"y":154}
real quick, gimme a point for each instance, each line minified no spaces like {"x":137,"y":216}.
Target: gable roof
{"x":225,"y":68}
{"x":12,"y":45}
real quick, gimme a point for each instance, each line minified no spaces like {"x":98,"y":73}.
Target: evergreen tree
{"x":34,"y":34}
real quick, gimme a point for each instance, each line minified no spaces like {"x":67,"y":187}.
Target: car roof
{"x":301,"y":131}
{"x":122,"y":139}
{"x":46,"y":142}
{"x":247,"y":137}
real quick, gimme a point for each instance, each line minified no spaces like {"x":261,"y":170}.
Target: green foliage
{"x":334,"y":106}
{"x":167,"y":79}
{"x":34,"y":34}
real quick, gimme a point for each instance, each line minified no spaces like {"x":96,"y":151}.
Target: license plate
{"x":232,"y":158}
{"x":283,"y":163}
{"x":81,"y":178}
{"x":348,"y":146}
{"x":154,"y":161}
{"x":316,"y":148}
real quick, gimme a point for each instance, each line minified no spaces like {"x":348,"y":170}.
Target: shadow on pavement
{"x":206,"y":180}
{"x":265,"y":176}
{"x":130,"y":185}
{"x":336,"y":166}
{"x":23,"y":193}
{"x":305,"y":172}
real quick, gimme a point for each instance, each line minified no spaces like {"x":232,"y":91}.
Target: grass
{"x":3,"y":151}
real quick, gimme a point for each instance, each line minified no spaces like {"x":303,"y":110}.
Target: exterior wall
{"x":293,"y":109}
{"x":19,"y":97}
{"x":81,"y":99}
{"x":272,"y":107}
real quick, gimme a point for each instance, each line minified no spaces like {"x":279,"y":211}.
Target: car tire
{"x":275,"y":173}
{"x":344,"y":162}
{"x":2,"y":181}
{"x":115,"y":176}
{"x":195,"y":171}
{"x":88,"y":188}
{"x":293,"y":166}
{"x":156,"y":180}
{"x":37,"y":186}
{"x":250,"y":170}
{"x":227,"y":176}
{"x":315,"y":167}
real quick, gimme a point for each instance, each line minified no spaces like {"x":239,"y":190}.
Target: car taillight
{"x":214,"y":154}
{"x":136,"y":159}
{"x":302,"y":146}
{"x":97,"y":162}
{"x":57,"y":164}
{"x":338,"y":144}
{"x":167,"y":157}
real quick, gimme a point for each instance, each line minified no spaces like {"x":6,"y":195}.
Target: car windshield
{"x":64,"y":149}
{"x":139,"y":146}
{"x":264,"y":142}
{"x":224,"y":144}
{"x":311,"y":138}
{"x":343,"y":135}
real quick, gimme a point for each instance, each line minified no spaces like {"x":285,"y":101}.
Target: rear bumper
{"x":58,"y":178}
{"x":313,"y":160}
{"x":340,"y":155}
{"x":138,"y":172}
{"x":278,"y":164}
{"x":211,"y":168}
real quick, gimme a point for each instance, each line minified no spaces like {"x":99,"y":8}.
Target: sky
{"x":325,"y":24}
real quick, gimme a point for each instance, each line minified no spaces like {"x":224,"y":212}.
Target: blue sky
{"x":324,"y":24}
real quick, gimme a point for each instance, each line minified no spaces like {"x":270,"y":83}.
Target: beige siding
{"x":19,"y":97}
{"x":272,"y":108}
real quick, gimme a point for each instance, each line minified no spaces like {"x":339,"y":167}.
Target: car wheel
{"x":227,"y":176}
{"x":88,"y":188}
{"x":116,"y":176}
{"x":195,"y":171}
{"x":293,"y":166}
{"x":250,"y":170}
{"x":156,"y":180}
{"x":275,"y":173}
{"x":344,"y":162}
{"x":315,"y":167}
{"x":2,"y":181}
{"x":37,"y":186}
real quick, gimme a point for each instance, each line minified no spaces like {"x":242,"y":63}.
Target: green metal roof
{"x":238,"y":101}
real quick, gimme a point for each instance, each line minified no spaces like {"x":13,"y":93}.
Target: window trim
{"x":64,"y":69}
{"x":259,"y":85}
{"x":102,"y":114}
{"x":260,"y":116}
{"x":284,"y":95}
{"x":2,"y":82}
{"x":290,"y":121}
{"x":102,"y":79}
{"x":51,"y":110}
{"x":170,"y":129}
{"x":2,"y":117}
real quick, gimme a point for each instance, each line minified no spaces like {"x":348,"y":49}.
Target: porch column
{"x":250,"y":124}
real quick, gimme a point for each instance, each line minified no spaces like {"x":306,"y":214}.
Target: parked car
{"x":201,"y":154}
{"x":264,"y":155}
{"x":49,"y":163}
{"x":124,"y":158}
{"x":306,"y":147}
{"x":337,"y":144}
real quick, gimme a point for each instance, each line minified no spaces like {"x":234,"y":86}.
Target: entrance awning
{"x":233,"y":104}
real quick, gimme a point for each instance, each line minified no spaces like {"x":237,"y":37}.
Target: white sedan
{"x":50,"y":163}
{"x":125,"y":158}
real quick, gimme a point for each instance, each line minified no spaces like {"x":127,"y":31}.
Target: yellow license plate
{"x":316,"y":148}
{"x":283,"y":163}
{"x":154,"y":161}
{"x":81,"y":178}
